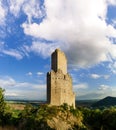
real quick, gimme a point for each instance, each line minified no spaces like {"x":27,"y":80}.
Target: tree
{"x":2,"y":102}
{"x":5,"y":114}
{"x":109,"y":119}
{"x":92,"y":118}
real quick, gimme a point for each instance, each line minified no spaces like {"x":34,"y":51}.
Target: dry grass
{"x":15,"y":106}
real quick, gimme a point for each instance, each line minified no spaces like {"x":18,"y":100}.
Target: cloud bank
{"x":81,"y":25}
{"x":22,"y":90}
{"x":11,"y":52}
{"x":78,"y":27}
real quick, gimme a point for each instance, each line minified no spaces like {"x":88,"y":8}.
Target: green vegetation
{"x":106,"y":102}
{"x":5,"y":114}
{"x":47,"y":117}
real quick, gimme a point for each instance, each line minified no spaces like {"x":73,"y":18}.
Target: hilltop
{"x":106,"y":102}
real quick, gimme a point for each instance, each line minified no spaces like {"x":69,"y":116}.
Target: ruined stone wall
{"x":60,"y":88}
{"x":59,"y":61}
{"x":59,"y":82}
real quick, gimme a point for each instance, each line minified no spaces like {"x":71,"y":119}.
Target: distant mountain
{"x":106,"y":102}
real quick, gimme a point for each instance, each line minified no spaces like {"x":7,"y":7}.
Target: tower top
{"x":59,"y":61}
{"x":57,"y":49}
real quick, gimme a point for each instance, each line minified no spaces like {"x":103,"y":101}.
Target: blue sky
{"x":30,"y":30}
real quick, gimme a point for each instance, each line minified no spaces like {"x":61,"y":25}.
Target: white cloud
{"x":114,"y":91}
{"x":112,"y":2}
{"x":22,"y":90}
{"x":114,"y":22}
{"x":18,"y":54}
{"x":11,"y":94}
{"x":90,"y":95}
{"x":40,"y":73}
{"x":80,"y":86}
{"x":27,"y":94}
{"x":15,"y":6}
{"x":29,"y":74}
{"x":3,"y":12}
{"x":106,"y":90}
{"x":106,"y":76}
{"x":43,"y":49}
{"x":30,"y":7}
{"x":81,"y":26}
{"x":13,"y":53}
{"x":94,"y":95}
{"x":1,"y":46}
{"x":102,"y":92}
{"x":112,"y":67}
{"x":95,"y":76}
{"x":80,"y":30}
{"x":7,"y":82}
{"x":104,"y":87}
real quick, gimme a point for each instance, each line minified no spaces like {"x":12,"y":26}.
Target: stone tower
{"x":59,"y":82}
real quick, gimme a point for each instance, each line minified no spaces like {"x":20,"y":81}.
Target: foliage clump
{"x":5,"y":114}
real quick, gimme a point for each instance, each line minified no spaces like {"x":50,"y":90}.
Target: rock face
{"x":64,"y":121}
{"x":59,"y":82}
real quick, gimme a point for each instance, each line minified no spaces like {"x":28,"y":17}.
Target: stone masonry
{"x":59,"y":82}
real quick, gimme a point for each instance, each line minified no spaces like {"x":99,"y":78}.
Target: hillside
{"x":106,"y":102}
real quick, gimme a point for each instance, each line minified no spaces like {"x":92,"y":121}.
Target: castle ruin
{"x":59,"y":82}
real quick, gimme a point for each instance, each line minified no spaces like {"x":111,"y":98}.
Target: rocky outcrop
{"x":65,"y":120}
